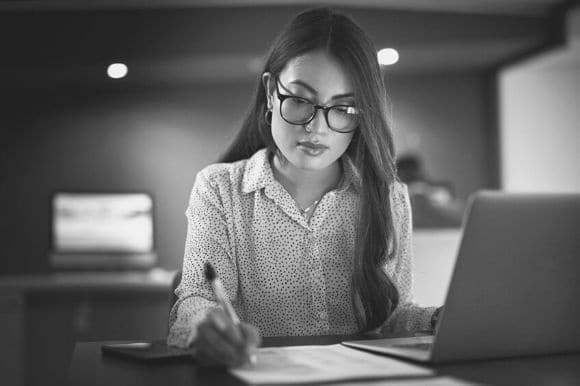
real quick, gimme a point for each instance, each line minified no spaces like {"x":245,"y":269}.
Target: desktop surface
{"x":90,"y":367}
{"x":43,"y":315}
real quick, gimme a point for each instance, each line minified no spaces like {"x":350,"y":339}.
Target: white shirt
{"x":283,"y":273}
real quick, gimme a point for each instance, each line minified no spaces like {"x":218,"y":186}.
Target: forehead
{"x":321,"y":71}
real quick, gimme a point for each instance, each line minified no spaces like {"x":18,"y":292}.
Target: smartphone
{"x":146,"y":350}
{"x":130,"y":346}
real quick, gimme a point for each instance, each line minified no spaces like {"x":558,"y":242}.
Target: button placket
{"x":319,"y":306}
{"x":285,"y":202}
{"x":321,"y":210}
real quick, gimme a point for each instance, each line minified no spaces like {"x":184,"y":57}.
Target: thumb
{"x":251,"y":334}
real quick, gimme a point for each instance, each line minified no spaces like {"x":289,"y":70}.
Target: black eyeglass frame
{"x":325,"y":110}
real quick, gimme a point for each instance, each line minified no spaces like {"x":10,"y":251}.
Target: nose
{"x":318,"y":123}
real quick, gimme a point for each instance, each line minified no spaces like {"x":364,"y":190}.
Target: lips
{"x":311,"y":145}
{"x":311,"y":149}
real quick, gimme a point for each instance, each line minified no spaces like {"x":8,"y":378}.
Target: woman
{"x":303,"y":219}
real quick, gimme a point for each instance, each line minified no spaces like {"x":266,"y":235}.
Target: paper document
{"x":304,"y":364}
{"x":423,"y":381}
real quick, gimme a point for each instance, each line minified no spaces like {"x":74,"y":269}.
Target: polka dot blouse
{"x":284,"y":273}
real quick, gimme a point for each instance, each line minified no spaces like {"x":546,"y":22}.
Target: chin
{"x":310,"y":163}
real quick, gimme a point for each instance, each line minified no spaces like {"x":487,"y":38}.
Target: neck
{"x":305,"y":186}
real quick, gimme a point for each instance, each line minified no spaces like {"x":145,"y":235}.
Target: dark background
{"x":65,"y":126}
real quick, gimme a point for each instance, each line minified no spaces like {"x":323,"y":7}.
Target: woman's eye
{"x":346,"y":110}
{"x":299,"y":101}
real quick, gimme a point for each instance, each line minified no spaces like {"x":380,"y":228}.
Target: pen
{"x":224,"y":302}
{"x":221,"y":297}
{"x":220,"y":293}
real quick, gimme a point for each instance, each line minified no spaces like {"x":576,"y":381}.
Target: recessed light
{"x":117,"y":70}
{"x":388,"y":56}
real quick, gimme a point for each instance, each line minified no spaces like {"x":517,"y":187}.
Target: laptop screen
{"x":102,"y":222}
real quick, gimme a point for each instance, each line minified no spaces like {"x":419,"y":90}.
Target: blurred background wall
{"x":66,"y":126}
{"x":156,"y":140}
{"x":540,"y":118}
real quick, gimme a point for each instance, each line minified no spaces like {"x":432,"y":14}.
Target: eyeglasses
{"x":300,"y":111}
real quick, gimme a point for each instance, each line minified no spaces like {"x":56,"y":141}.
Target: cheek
{"x":284,"y":134}
{"x":340,"y":142}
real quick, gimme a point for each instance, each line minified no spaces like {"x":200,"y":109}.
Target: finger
{"x":236,"y":355}
{"x":212,"y":359}
{"x":211,"y":344}
{"x":253,"y":340}
{"x":209,"y":359}
{"x":226,"y":327}
{"x":251,"y":335}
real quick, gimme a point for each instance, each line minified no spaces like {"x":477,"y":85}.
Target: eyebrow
{"x":313,"y":90}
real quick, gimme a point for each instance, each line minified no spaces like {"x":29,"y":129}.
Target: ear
{"x":268,"y":82}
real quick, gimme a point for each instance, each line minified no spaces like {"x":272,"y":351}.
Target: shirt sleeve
{"x":207,"y":240}
{"x":408,"y":316}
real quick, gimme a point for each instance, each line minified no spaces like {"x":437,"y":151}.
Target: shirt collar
{"x":258,"y":173}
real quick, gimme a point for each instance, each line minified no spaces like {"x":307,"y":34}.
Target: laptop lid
{"x":515,"y":287}
{"x":102,"y":230}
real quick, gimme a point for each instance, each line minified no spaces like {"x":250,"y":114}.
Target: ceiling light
{"x":388,"y":56}
{"x":117,"y":70}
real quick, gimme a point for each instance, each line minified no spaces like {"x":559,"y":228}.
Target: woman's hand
{"x":219,"y":342}
{"x":435,"y":318}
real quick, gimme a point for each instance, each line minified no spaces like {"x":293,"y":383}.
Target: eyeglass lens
{"x":300,"y":111}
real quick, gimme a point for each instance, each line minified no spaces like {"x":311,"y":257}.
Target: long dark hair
{"x":371,"y":148}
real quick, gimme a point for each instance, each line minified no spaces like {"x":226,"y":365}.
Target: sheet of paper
{"x":304,"y":364}
{"x":423,"y":381}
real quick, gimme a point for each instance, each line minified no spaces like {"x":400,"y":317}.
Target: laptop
{"x":515,"y":289}
{"x":102,"y":231}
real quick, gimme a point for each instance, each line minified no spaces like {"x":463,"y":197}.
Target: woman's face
{"x":318,"y":77}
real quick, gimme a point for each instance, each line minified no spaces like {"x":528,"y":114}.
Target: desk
{"x":89,"y":367}
{"x":41,"y":317}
